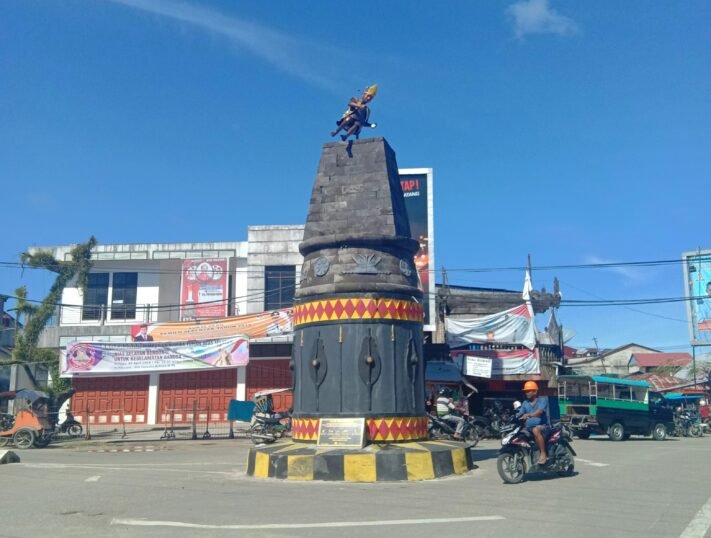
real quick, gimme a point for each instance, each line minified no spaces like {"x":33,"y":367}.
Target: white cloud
{"x":631,"y":273}
{"x":537,"y":17}
{"x":290,"y":55}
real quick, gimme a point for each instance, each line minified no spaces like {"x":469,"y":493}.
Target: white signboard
{"x":478,"y":367}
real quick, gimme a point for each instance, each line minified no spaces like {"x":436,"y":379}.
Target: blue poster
{"x":698,"y":271}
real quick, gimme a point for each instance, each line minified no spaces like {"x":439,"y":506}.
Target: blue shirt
{"x":527,"y":408}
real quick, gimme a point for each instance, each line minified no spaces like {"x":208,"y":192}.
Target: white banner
{"x":99,"y":358}
{"x":513,"y":326}
{"x":503,"y":362}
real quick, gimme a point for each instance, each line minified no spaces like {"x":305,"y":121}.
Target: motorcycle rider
{"x":534,"y":412}
{"x":445,"y":406}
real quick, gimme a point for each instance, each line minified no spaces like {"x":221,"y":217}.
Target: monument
{"x":357,"y":361}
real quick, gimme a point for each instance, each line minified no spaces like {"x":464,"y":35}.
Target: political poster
{"x":254,"y":326}
{"x":416,"y":186}
{"x":203,"y":288}
{"x":99,"y":358}
{"x":697,"y":276}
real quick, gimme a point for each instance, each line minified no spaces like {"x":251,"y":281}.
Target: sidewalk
{"x":114,"y":434}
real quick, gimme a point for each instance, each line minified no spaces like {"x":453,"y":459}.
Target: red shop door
{"x":110,"y":397}
{"x":211,"y":389}
{"x":270,"y":374}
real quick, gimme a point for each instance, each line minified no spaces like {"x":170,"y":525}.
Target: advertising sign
{"x":203,"y":288}
{"x":99,"y":358}
{"x":417,"y":189}
{"x":478,"y":367}
{"x":262,"y":325}
{"x":503,"y":361}
{"x":697,"y":283}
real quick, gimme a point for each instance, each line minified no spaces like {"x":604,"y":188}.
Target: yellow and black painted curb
{"x":376,"y":463}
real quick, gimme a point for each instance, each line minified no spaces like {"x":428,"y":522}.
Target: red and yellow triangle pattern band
{"x":379,"y":429}
{"x":356,"y":308}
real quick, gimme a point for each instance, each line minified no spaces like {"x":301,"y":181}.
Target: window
{"x":123,"y":296}
{"x":96,"y":296}
{"x":279,"y":286}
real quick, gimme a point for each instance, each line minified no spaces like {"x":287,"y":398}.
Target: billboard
{"x":203,"y":288}
{"x":697,"y":286}
{"x":99,"y":358}
{"x":261,"y":325}
{"x":417,"y":189}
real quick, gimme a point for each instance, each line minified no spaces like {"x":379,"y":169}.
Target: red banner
{"x":203,"y":290}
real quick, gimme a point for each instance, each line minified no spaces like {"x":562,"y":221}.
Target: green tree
{"x":35,"y":317}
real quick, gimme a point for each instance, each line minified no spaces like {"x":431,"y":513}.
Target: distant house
{"x":644,"y":363}
{"x":609,"y":362}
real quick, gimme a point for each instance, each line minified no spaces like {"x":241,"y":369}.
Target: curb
{"x":376,"y":463}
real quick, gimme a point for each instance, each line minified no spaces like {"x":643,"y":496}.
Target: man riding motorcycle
{"x":445,"y":406}
{"x":534,"y":412}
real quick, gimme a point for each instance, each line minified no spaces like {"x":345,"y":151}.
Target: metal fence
{"x":176,"y":423}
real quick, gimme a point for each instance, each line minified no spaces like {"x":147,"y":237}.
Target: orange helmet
{"x":530,"y":385}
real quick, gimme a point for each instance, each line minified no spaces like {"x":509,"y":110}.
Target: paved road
{"x":635,"y":488}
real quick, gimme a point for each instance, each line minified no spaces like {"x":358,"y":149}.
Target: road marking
{"x":94,"y":478}
{"x":698,"y":526}
{"x":330,"y":524}
{"x":592,"y":463}
{"x":122,"y":468}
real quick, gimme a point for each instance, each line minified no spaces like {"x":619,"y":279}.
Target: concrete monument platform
{"x":423,"y":460}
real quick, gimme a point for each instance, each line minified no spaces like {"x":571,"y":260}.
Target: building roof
{"x":608,"y":352}
{"x":654,"y":360}
{"x":657,"y":381}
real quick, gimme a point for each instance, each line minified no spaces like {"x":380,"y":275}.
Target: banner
{"x":264,"y":324}
{"x":697,"y":270}
{"x":416,"y":186}
{"x":513,"y":326}
{"x":99,"y":358}
{"x":503,"y":362}
{"x":203,"y":289}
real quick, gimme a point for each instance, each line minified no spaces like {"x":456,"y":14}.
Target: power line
{"x":606,"y":265}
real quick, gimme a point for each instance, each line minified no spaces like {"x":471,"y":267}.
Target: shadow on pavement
{"x":485,"y":454}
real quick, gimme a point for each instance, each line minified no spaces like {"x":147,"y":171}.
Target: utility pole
{"x":597,"y":354}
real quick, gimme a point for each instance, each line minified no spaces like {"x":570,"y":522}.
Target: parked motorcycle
{"x":518,"y":454}
{"x":267,"y":428}
{"x":687,"y":425}
{"x":490,"y":424}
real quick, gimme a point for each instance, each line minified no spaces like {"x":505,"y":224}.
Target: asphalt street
{"x":198,"y":488}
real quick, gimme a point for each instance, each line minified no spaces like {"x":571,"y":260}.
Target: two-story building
{"x":139,"y":283}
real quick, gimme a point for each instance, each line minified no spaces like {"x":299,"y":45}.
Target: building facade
{"x":131,"y":284}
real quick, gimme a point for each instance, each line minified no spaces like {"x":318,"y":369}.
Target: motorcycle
{"x":490,"y":424}
{"x":687,"y":425}
{"x":267,"y":428}
{"x":441,"y":429}
{"x":70,"y":426}
{"x":519,"y":453}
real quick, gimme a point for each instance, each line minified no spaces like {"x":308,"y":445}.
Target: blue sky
{"x":577,"y":132}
